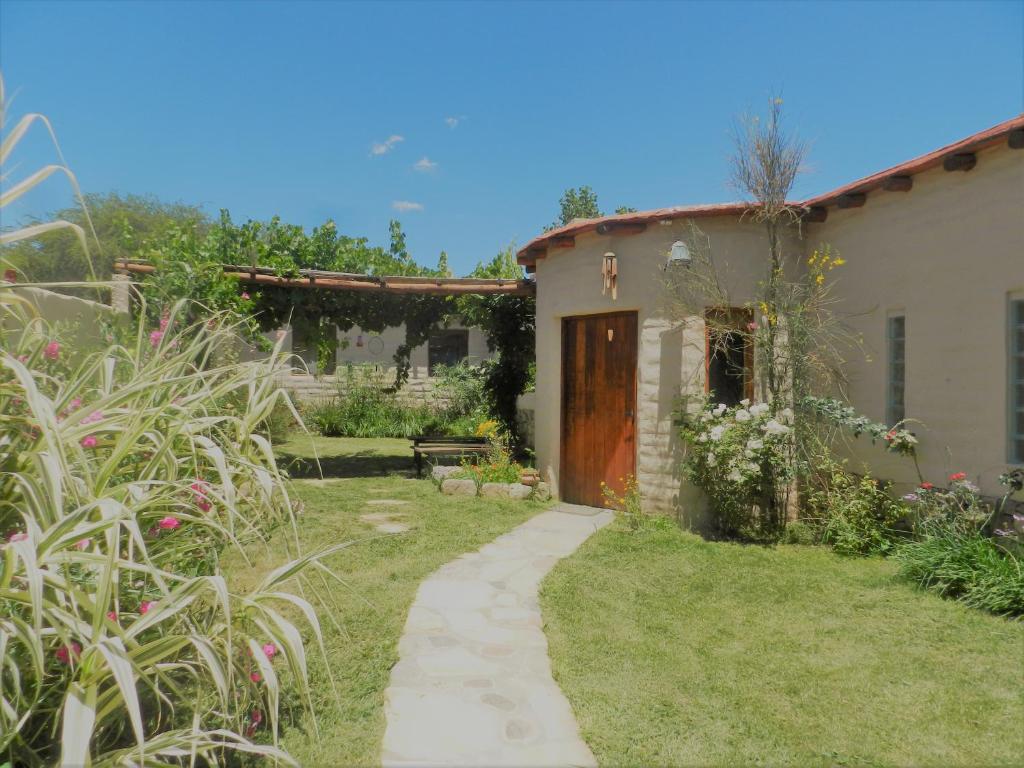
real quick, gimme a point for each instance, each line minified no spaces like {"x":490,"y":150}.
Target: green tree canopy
{"x":124,"y":224}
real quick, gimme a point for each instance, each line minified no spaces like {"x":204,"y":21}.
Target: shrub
{"x":855,"y":515}
{"x":741,"y":457}
{"x":497,"y":466}
{"x":628,"y":504}
{"x":966,"y":565}
{"x":123,"y":475}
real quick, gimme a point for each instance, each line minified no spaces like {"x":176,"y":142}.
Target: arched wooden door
{"x":599,"y":358}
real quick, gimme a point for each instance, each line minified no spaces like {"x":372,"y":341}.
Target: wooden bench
{"x":445,"y":445}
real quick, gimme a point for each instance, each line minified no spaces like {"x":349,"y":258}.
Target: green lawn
{"x":678,"y":651}
{"x":382,"y":573}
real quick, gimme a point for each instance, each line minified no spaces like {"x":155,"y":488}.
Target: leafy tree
{"x":124,"y":225}
{"x":510,"y":325}
{"x":578,"y":203}
{"x":624,"y":209}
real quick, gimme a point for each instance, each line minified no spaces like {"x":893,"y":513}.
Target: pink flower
{"x":146,"y":606}
{"x":255,"y":718}
{"x":927,"y":486}
{"x":89,"y":441}
{"x":269,"y":649}
{"x":204,"y":505}
{"x":164,"y":322}
{"x":93,"y":417}
{"x":82,"y":544}
{"x":154,"y":338}
{"x":245,"y":296}
{"x":19,"y":536}
{"x":22,"y":358}
{"x":76,"y":403}
{"x":112,"y":615}
{"x":957,"y":476}
{"x":65,"y":653}
{"x":199,"y":487}
{"x":751,"y":327}
{"x":169,"y":523}
{"x":255,"y":677}
{"x":52,"y":350}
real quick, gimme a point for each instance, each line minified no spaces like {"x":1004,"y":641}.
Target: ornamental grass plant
{"x":125,"y":473}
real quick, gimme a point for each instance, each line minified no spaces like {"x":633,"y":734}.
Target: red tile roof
{"x":532,"y":250}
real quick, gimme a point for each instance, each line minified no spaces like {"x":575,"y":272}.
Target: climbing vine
{"x":190,"y":265}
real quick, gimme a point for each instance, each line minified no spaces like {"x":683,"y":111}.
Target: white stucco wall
{"x":670,"y":354}
{"x":948,"y":255}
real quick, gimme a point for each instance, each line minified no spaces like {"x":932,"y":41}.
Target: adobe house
{"x":934,"y":283}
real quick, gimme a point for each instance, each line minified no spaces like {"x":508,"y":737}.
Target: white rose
{"x":775,"y":428}
{"x":717,"y":432}
{"x":787,"y":415}
{"x":743,"y":415}
{"x":752,"y":467}
{"x":719,"y":409}
{"x":745,"y":402}
{"x":735,"y":476}
{"x":702,"y":437}
{"x":759,"y":409}
{"x":712,"y":460}
{"x":755,"y":445}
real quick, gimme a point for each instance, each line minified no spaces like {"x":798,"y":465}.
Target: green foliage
{"x":125,"y":474}
{"x":497,"y":466}
{"x":856,"y":516}
{"x":629,"y":503}
{"x":624,"y":209}
{"x":123,"y":224}
{"x":741,"y":457}
{"x":964,"y":564}
{"x":368,"y":405}
{"x":509,"y":323}
{"x":577,"y":204}
{"x":897,"y":439}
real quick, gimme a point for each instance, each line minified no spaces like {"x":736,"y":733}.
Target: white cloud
{"x":383,"y":147}
{"x":453,"y":122}
{"x":405,"y":205}
{"x":424,"y":165}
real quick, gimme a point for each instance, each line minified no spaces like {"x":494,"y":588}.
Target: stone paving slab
{"x":473,"y":682}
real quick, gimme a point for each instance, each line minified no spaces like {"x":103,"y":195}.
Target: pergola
{"x":346,"y":281}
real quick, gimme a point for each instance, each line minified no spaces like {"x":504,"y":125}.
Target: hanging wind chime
{"x":610,"y":275}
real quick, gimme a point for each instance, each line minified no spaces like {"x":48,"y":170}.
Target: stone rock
{"x":494,"y":490}
{"x":439,"y":472}
{"x":542,"y":492}
{"x":519,"y":491}
{"x":452,"y":487}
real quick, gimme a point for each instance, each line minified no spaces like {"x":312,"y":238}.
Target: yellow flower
{"x":839,"y":261}
{"x":819,"y":279}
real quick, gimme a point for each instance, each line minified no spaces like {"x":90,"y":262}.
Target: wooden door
{"x":599,"y":355}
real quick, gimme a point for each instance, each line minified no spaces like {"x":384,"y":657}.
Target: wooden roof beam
{"x":815,"y":214}
{"x":1016,"y":139}
{"x":852,"y":200}
{"x":621,"y":228}
{"x":960,"y":161}
{"x":898,"y":184}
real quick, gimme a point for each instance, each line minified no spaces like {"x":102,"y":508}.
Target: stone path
{"x":473,"y":684}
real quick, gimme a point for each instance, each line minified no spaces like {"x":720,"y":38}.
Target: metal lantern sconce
{"x":679,"y":256}
{"x":610,"y":275}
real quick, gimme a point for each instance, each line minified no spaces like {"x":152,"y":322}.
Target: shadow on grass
{"x":363,"y":464}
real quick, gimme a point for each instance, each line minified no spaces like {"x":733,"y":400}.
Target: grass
{"x":382,"y":573}
{"x":677,"y":651}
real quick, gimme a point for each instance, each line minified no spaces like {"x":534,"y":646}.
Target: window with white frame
{"x":896,"y":379}
{"x":1016,"y":381}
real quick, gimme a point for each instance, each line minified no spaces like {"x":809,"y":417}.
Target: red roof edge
{"x":537,"y":247}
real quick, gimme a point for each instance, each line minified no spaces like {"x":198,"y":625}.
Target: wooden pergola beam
{"x":339,"y":281}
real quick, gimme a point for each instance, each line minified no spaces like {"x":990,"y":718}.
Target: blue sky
{"x":275,"y":108}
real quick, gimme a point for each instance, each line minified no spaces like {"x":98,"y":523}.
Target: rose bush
{"x":741,"y":457}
